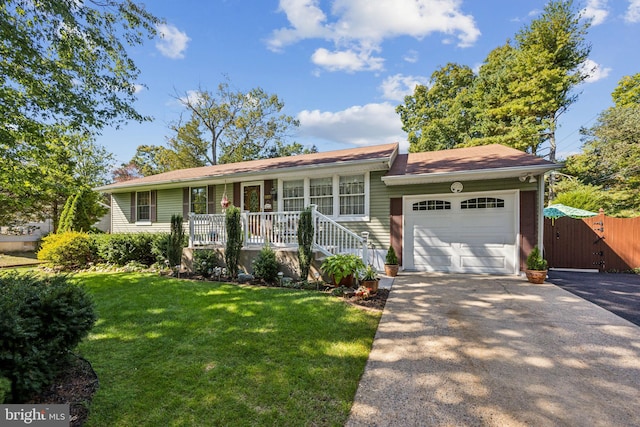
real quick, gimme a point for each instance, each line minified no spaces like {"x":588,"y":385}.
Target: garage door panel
{"x":480,"y":240}
{"x":483,"y":262}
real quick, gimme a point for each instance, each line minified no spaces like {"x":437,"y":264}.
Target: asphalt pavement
{"x":616,"y":292}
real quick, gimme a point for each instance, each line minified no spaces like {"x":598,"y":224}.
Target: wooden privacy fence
{"x":602,"y":242}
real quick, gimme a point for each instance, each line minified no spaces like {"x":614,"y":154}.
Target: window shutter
{"x":211,"y":199}
{"x":152,"y":209}
{"x":132,"y":216}
{"x":236,"y":195}
{"x":185,"y":203}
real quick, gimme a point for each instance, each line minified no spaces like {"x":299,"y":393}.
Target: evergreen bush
{"x":68,"y":250}
{"x":176,"y":241}
{"x":265,"y":266}
{"x":234,"y":241}
{"x":123,"y":248}
{"x":41,"y":320}
{"x":305,"y":242}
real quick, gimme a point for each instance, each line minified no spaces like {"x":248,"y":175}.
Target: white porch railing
{"x":279,"y":229}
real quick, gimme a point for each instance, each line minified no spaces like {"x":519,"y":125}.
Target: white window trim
{"x":336,"y":195}
{"x":143,"y":221}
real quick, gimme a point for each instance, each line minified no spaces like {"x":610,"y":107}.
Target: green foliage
{"x":41,"y":320}
{"x":517,"y":96}
{"x":369,"y":273}
{"x":123,"y":248}
{"x":81,"y":211}
{"x":224,"y":126}
{"x":176,"y":241}
{"x":265,"y":266}
{"x":391,"y":258}
{"x":5,"y":389}
{"x":234,"y":240}
{"x":69,"y":250}
{"x":437,"y":116}
{"x":339,"y":266}
{"x":305,"y":242}
{"x":535,"y":261}
{"x":627,"y":93}
{"x":205,"y":261}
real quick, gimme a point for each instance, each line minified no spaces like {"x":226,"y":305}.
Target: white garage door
{"x":461,"y":233}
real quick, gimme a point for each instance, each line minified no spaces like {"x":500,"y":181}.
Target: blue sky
{"x":342,"y":66}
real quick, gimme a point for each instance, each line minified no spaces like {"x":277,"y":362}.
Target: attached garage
{"x":461,"y":233}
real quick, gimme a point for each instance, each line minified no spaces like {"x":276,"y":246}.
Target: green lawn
{"x":17,"y":259}
{"x":182,"y":353}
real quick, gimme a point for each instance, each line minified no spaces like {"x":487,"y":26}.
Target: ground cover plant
{"x":183,"y":352}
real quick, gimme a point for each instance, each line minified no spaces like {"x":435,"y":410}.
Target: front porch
{"x":279,"y":230}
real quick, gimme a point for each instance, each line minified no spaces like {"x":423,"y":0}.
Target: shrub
{"x":391,"y":258}
{"x":205,"y":261}
{"x":5,"y":389}
{"x":339,"y":266}
{"x":68,"y":250}
{"x":176,"y":241}
{"x":265,"y":266}
{"x":123,"y":248}
{"x":41,"y":320}
{"x":535,"y":260}
{"x":234,"y":241}
{"x":305,"y":242}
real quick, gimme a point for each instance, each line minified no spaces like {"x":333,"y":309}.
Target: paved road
{"x":463,"y":350}
{"x":618,"y":293}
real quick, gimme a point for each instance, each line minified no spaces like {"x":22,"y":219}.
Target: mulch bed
{"x":77,"y":384}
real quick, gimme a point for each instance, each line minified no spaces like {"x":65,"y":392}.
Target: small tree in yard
{"x":305,"y":242}
{"x":234,"y":241}
{"x":176,"y":241}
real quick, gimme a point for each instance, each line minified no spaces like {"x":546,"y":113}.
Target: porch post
{"x":365,"y":249}
{"x":540,"y":215}
{"x":191,"y":229}
{"x":245,"y":224}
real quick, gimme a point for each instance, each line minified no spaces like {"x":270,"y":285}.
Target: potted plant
{"x":391,"y":263}
{"x":369,"y":278}
{"x":341,"y":268}
{"x":536,"y":267}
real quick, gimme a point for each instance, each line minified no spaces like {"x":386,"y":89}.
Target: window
{"x":432,"y":205}
{"x":321,"y":191}
{"x":199,"y":200}
{"x":143,"y":206}
{"x":352,"y":195}
{"x":482,"y":203}
{"x":293,"y":195}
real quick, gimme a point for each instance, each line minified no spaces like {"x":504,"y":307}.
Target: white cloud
{"x":137,"y":88}
{"x":192,"y":97}
{"x":594,"y":71}
{"x":358,"y":125}
{"x":346,"y":60}
{"x":172,"y":42}
{"x":358,"y":27}
{"x":411,"y":56}
{"x":596,"y":10}
{"x":396,"y":87}
{"x":633,"y":12}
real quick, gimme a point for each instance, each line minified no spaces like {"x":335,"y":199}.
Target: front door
{"x":252,"y":198}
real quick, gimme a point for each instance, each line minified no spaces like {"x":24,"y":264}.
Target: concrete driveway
{"x":461,"y":350}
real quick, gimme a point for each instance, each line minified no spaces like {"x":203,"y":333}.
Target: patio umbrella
{"x":559,"y":210}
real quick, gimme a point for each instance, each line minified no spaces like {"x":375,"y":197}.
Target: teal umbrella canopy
{"x":559,"y":210}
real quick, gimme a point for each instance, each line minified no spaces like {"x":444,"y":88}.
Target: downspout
{"x":540,"y":215}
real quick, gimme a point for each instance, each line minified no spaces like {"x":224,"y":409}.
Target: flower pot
{"x":536,"y":276}
{"x":391,"y":270}
{"x":371,"y":284}
{"x":346,"y":281}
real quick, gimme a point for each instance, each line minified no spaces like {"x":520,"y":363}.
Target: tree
{"x":627,"y":93}
{"x":65,"y":62}
{"x":238,"y":126}
{"x":81,"y":211}
{"x":64,"y":73}
{"x":516,"y":98}
{"x":437,"y":116}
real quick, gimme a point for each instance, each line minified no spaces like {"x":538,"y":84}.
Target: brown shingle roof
{"x":361,"y":154}
{"x":484,"y":157}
